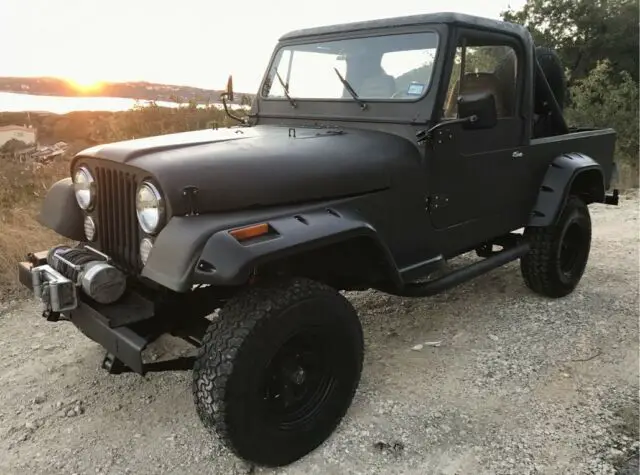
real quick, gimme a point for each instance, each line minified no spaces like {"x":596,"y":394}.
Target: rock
{"x":30,"y":425}
{"x":39,"y":399}
{"x":71,"y":413}
{"x":493,"y":337}
{"x":433,"y":343}
{"x":417,"y":347}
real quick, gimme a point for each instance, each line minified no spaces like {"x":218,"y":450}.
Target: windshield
{"x":396,"y":67}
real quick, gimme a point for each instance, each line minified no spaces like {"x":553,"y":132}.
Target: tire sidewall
{"x":248,"y":430}
{"x":575,"y":213}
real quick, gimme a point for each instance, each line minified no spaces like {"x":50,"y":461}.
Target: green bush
{"x":606,"y":99}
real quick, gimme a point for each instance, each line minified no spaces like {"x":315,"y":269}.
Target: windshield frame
{"x":357,"y":34}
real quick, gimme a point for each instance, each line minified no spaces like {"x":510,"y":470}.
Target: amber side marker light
{"x":250,"y":232}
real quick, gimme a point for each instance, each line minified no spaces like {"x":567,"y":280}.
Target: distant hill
{"x":132,"y":90}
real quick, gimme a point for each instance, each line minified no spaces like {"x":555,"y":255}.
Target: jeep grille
{"x":117,"y":224}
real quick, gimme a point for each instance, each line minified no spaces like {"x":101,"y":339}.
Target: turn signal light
{"x":250,"y":232}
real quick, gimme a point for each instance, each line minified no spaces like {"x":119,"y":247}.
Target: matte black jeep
{"x":373,"y":153}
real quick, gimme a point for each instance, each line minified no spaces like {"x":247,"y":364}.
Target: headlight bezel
{"x":151,"y":230}
{"x":91,"y":180}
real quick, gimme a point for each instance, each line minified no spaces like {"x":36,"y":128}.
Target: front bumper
{"x":121,"y":328}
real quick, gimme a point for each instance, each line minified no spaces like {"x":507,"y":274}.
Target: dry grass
{"x":21,"y":233}
{"x":22,"y":188}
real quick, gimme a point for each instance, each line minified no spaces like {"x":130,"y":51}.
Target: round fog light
{"x":145,"y":248}
{"x":89,"y":228}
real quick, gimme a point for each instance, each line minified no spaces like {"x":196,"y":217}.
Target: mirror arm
{"x":425,"y":135}
{"x":223,"y":97}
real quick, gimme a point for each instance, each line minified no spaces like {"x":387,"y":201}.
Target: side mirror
{"x":480,"y":110}
{"x":229,"y":91}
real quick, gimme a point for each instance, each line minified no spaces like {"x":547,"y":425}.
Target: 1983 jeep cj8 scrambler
{"x":373,"y":153}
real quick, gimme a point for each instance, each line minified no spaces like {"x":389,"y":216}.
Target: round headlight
{"x":89,"y":228}
{"x":84,"y":185}
{"x":149,"y":208}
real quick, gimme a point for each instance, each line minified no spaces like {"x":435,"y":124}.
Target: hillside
{"x":132,"y":90}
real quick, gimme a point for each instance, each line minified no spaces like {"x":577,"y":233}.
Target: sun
{"x":85,"y":84}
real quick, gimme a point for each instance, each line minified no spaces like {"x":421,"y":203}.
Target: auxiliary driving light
{"x":89,"y":228}
{"x":145,"y":248}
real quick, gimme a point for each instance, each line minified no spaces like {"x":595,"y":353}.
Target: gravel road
{"x":487,"y":378}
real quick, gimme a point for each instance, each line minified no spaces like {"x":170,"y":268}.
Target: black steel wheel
{"x":278,"y":370}
{"x":559,"y":253}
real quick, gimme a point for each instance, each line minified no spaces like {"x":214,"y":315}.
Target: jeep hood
{"x":265,"y":165}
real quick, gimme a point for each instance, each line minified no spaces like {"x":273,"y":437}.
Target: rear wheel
{"x":278,"y":370}
{"x":559,"y":253}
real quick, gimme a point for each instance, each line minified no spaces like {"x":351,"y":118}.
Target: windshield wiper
{"x":349,"y":88}
{"x":286,"y":90}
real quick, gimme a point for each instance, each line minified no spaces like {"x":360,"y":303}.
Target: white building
{"x":17,"y":132}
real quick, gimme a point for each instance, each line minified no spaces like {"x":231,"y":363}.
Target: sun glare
{"x":85,"y":84}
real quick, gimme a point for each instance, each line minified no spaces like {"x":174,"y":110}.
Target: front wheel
{"x":278,"y":370}
{"x":559,"y":253}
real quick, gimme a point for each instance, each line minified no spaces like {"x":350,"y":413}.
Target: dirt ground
{"x":487,"y":378}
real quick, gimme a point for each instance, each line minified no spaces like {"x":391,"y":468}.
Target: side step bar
{"x":464,"y":274}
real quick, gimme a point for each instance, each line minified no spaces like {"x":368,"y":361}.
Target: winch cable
{"x":77,"y":256}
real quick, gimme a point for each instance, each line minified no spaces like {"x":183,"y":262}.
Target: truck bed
{"x":598,"y":144}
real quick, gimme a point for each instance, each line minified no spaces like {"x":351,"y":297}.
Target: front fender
{"x":567,"y":173}
{"x":200,"y":250}
{"x":60,"y":211}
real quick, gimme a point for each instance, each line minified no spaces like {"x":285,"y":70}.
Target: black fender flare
{"x":210,"y":255}
{"x":569,"y":173}
{"x":60,"y":211}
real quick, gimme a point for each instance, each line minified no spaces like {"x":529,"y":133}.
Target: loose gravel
{"x":486,"y":378}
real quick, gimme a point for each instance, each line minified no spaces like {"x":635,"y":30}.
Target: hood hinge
{"x":435,"y":202}
{"x":190,"y":193}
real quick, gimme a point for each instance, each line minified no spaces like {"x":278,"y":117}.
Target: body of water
{"x":13,"y":102}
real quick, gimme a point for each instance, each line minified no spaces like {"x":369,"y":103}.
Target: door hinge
{"x":436,"y":202}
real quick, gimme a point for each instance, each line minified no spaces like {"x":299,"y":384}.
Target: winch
{"x":68,"y":268}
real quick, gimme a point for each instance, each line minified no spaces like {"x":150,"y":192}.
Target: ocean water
{"x":13,"y":102}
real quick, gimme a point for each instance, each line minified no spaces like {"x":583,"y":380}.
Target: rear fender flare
{"x":570,"y":173}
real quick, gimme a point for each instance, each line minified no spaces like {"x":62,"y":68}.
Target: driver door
{"x":476,"y":173}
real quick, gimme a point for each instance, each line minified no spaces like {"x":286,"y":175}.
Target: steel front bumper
{"x":119,"y":327}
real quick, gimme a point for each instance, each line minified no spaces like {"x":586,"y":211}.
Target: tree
{"x":584,"y":32}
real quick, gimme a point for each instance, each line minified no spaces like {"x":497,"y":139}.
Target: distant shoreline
{"x":139,"y":91}
{"x":20,"y":102}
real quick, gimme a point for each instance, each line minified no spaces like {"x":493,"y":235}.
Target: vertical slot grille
{"x":117,"y":227}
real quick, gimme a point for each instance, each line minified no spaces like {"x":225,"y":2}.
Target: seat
{"x":380,"y":86}
{"x":478,"y":82}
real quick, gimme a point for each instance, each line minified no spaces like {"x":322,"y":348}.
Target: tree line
{"x":597,"y":41}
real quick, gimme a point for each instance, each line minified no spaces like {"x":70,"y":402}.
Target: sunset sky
{"x":190,"y":42}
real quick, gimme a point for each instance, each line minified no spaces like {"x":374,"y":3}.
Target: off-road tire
{"x":239,"y":345}
{"x":559,"y":253}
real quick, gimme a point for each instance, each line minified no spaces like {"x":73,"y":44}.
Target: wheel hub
{"x":298,"y":380}
{"x":298,"y":376}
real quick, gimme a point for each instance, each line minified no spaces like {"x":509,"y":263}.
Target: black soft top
{"x":445,"y":17}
